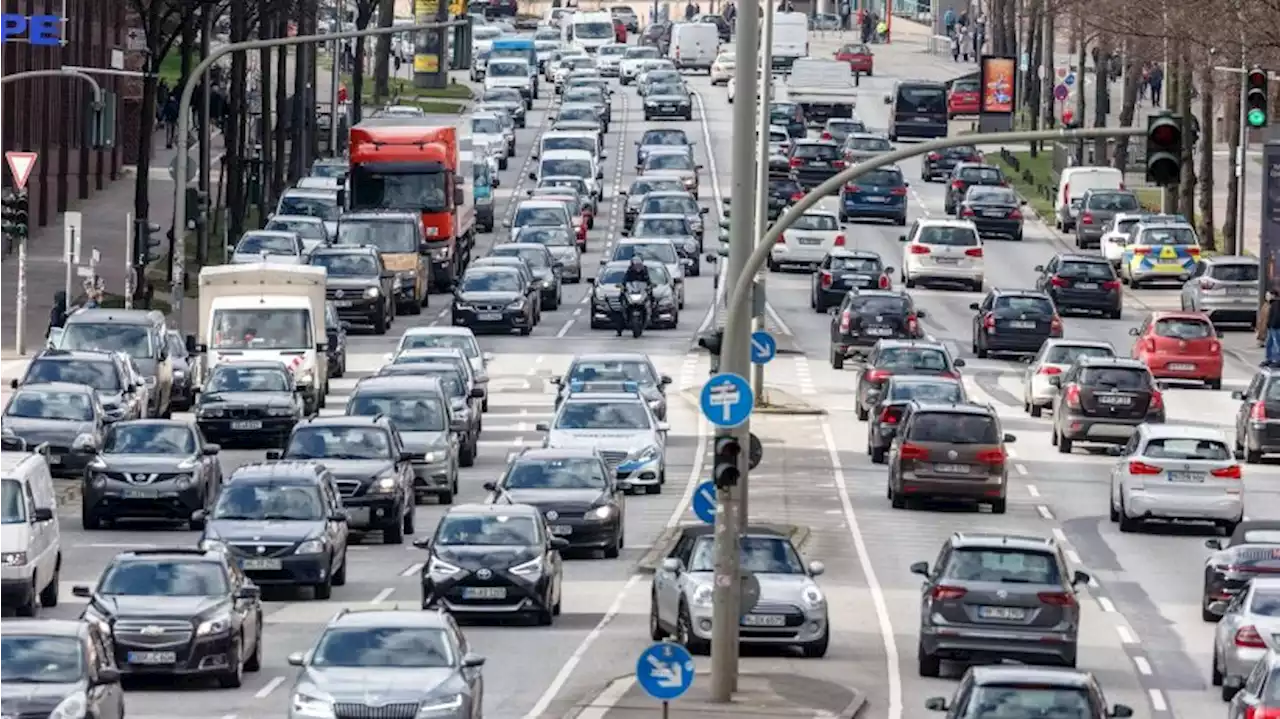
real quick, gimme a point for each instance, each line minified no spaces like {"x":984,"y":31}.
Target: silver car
{"x":562,"y":246}
{"x":791,"y":609}
{"x":275,"y":247}
{"x":1056,"y":357}
{"x":621,"y":426}
{"x":676,"y":162}
{"x":312,"y":230}
{"x":1225,"y":288}
{"x":1249,"y":627}
{"x":423,"y":418}
{"x":658,"y":249}
{"x":862,"y":146}
{"x":461,"y":338}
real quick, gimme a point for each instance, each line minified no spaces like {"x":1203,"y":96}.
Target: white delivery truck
{"x":266,"y":312}
{"x":823,"y":88}
{"x":790,"y":38}
{"x":694,"y":45}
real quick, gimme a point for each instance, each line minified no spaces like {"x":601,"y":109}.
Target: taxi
{"x":1159,"y":252}
{"x":615,"y":419}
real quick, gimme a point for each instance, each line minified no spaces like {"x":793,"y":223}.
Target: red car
{"x":963,"y":97}
{"x":858,"y":56}
{"x":1180,"y":346}
{"x":619,"y":30}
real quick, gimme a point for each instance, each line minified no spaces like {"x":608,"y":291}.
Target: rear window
{"x":1031,"y":701}
{"x":1126,"y":378}
{"x":1177,"y":236}
{"x":1262,"y":557}
{"x":1187,"y":448}
{"x":879,"y":305}
{"x":881,"y":178}
{"x":906,"y":359}
{"x":1234,"y":273}
{"x":993,"y":195}
{"x":1067,"y":354}
{"x":1273,"y":391}
{"x":1184,"y":329}
{"x":1265,"y":602}
{"x":948,"y":235}
{"x":962,"y":151}
{"x":871,"y":266}
{"x":1087,"y":271}
{"x":868,"y":144}
{"x":1273,"y":688}
{"x":1126,"y":225}
{"x":1015,"y":566}
{"x":817,"y":152}
{"x":922,"y":100}
{"x":817,"y":223}
{"x":784,"y":188}
{"x":927,"y":391}
{"x":1007,"y":305}
{"x":954,"y":428}
{"x":1113,"y":201}
{"x":988,"y":175}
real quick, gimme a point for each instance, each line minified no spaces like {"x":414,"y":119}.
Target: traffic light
{"x":1164,"y":149}
{"x":146,"y":240}
{"x":1255,"y":98}
{"x":725,"y":473}
{"x":15,"y":214}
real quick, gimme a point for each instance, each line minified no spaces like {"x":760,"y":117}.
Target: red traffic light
{"x":1165,"y":135}
{"x":1257,"y":79}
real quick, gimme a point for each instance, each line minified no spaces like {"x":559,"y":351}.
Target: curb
{"x":661,"y":547}
{"x":794,"y":407}
{"x":852,"y":710}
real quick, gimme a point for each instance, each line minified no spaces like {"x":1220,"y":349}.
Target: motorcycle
{"x":636,"y":298}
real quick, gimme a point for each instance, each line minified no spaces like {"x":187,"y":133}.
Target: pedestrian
{"x":57,"y":313}
{"x":955,"y":47}
{"x":170,"y":119}
{"x":1273,"y":326}
{"x":882,"y":31}
{"x":845,"y":11}
{"x":689,"y":11}
{"x":867,"y":27}
{"x":949,"y":22}
{"x":1260,"y":322}
{"x":1157,"y":84}
{"x":399,"y":61}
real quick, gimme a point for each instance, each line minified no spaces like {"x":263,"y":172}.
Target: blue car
{"x":878,"y":195}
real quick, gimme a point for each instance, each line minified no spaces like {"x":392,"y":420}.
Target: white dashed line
{"x":1022,"y":468}
{"x":381,"y":597}
{"x":1126,"y":636}
{"x":1157,"y":700}
{"x":565,"y":329}
{"x":1044,"y":511}
{"x":1031,"y":490}
{"x":271,"y":686}
{"x":1109,"y":606}
{"x":411,"y":570}
{"x":1144,"y":666}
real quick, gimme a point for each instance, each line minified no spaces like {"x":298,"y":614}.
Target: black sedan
{"x":50,"y":664}
{"x":67,"y":418}
{"x":995,"y":211}
{"x":494,"y":298}
{"x":815,"y":161}
{"x":966,"y":175}
{"x":606,"y":297}
{"x":661,"y":138}
{"x":667,"y":100}
{"x":784,"y":191}
{"x":866,"y":317}
{"x":940,"y":164}
{"x":580,"y":498}
{"x":847,"y":269}
{"x":1252,"y":550}
{"x":250,"y":402}
{"x":892,"y":358}
{"x":1085,"y":283}
{"x":887,"y":416}
{"x":1013,"y":321}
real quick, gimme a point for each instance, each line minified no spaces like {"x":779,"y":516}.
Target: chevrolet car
{"x":359,"y":285}
{"x":249,"y":402}
{"x":67,"y":418}
{"x":424,"y":418}
{"x":621,"y":426}
{"x":544,"y":265}
{"x":635,"y":367}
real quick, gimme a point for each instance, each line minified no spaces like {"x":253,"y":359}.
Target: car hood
{"x":492,"y":138}
{"x":54,"y":431}
{"x":376,"y":685}
{"x":659,"y":292}
{"x":245,"y":258}
{"x":15,"y":537}
{"x":160,"y":607}
{"x":515,"y":81}
{"x":256,"y":399}
{"x":29,"y":698}
{"x":669,"y":173}
{"x":424,"y":441}
{"x":352,"y":283}
{"x":356,"y":468}
{"x":147,"y":462}
{"x":669,"y":98}
{"x":618,"y":440}
{"x":559,"y":498}
{"x":476,"y":556}
{"x":256,"y":530}
{"x":489,"y":296}
{"x":774,"y":588}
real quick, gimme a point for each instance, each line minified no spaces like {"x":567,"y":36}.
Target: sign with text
{"x":1270,"y":240}
{"x":34,"y":29}
{"x":429,"y":45}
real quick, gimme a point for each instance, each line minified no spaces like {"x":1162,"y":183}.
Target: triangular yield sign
{"x":20,"y":164}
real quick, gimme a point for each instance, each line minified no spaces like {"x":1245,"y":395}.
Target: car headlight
{"x":280,"y":411}
{"x":213,"y":545}
{"x":702,"y":596}
{"x":305,"y":376}
{"x":603,"y":512}
{"x":210,"y":412}
{"x":440,"y":568}
{"x":435,"y":456}
{"x":92,"y":617}
{"x":812,"y":597}
{"x":179,"y":374}
{"x":216,"y":625}
{"x":529,"y":568}
{"x":182,"y":481}
{"x":385,"y":485}
{"x":306,"y":705}
{"x":73,"y":707}
{"x":441,"y":706}
{"x":462,"y":306}
{"x":647,"y":454}
{"x":13,"y":559}
{"x":372,"y":292}
{"x":311,"y":546}
{"x":517,"y":305}
{"x":97,"y":464}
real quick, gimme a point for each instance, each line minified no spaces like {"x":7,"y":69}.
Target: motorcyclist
{"x":637,"y":271}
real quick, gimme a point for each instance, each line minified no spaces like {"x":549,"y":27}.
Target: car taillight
{"x":797,"y":196}
{"x":988,"y":322}
{"x":1214,"y":347}
{"x":898,"y":192}
{"x":1111,"y":285}
{"x":838,"y":164}
{"x":1086,"y":219}
{"x":1193,"y":251}
{"x":825,"y":278}
{"x":826,"y":136}
{"x":1258,"y":413}
{"x":919,"y":249}
{"x":1262,"y":713}
{"x":1232,"y":472}
{"x":782,"y":239}
{"x":1207,"y":284}
{"x":943,"y":592}
{"x":991,"y":456}
{"x":934,"y":156}
{"x":957,"y":185}
{"x":1072,"y":396}
{"x":1049,"y":370}
{"x":913,"y":325}
{"x":1015,"y":215}
{"x":846,"y":319}
{"x":839,"y":241}
{"x":1057,"y":281}
{"x":1247,"y":636}
{"x":878,"y":375}
{"x":1141,"y":250}
{"x":1157,"y":401}
{"x":796,"y":162}
{"x":885,"y":283}
{"x":1057,"y":599}
{"x":967,"y":212}
{"x":1143,"y":468}
{"x":973,"y":252}
{"x":852,"y":188}
{"x":1055,"y":325}
{"x":888,"y":417}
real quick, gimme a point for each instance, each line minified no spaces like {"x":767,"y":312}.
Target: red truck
{"x":405,"y":164}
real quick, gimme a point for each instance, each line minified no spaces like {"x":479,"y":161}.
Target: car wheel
{"x":1035,"y":410}
{"x":613,"y":550}
{"x":998,"y":506}
{"x":467,"y":455}
{"x":685,"y":635}
{"x":340,"y":576}
{"x":380,"y":323}
{"x":1205,"y":613}
{"x":837,"y":359}
{"x":1215,"y":673}
{"x":1113,"y":512}
{"x":89,"y":520}
{"x":929,"y":665}
{"x":818,"y":647}
{"x":1128,"y":524}
{"x":254,"y":662}
{"x":393,"y":532}
{"x":408,"y":522}
{"x":877,"y":455}
{"x":1064,"y":445}
{"x":656,"y":632}
{"x":233,"y":677}
{"x":49,"y":595}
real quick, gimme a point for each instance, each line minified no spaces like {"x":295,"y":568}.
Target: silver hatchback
{"x":1223,"y":287}
{"x":1249,"y":627}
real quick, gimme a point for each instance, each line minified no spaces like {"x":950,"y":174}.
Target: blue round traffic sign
{"x":727,"y":400}
{"x":704,"y":502}
{"x":763,"y":347}
{"x":1060,"y":92}
{"x":665,"y":670}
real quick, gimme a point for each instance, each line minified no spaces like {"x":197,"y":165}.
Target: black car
{"x":151,"y":469}
{"x":1103,"y":399}
{"x":335,"y":332}
{"x":533,"y":286}
{"x":845,"y":269}
{"x":1252,"y":550}
{"x":178,"y":612}
{"x":789,"y":115}
{"x":784,"y":191}
{"x":815,"y":161}
{"x":678,"y":202}
{"x":494,"y":298}
{"x":1085,"y":283}
{"x":465,"y":401}
{"x":884,"y":420}
{"x":184,"y":368}
{"x":492,"y":560}
{"x":606,"y":296}
{"x":668,"y":100}
{"x":284,"y":524}
{"x":427,"y":425}
{"x":52,"y":664}
{"x":966,"y":175}
{"x":941,"y":163}
{"x":573,"y":488}
{"x":358,"y":284}
{"x":640,"y":188}
{"x":509,"y":99}
{"x":118,"y":388}
{"x":894,"y":358}
{"x":657,"y":34}
{"x":67,"y":418}
{"x":995,"y":211}
{"x":865,"y":317}
{"x":1256,"y":435}
{"x":251,"y":402}
{"x":838,"y":129}
{"x":1013,"y":321}
{"x":371,"y":468}
{"x":1024,"y":691}
{"x":545,"y":267}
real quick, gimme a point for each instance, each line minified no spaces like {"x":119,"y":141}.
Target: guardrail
{"x":939,"y":45}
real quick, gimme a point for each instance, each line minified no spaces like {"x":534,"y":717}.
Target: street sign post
{"x":727,"y":400}
{"x":1060,"y":92}
{"x":750,"y":593}
{"x":20,"y":164}
{"x":1069,"y":80}
{"x":665,"y":671}
{"x":704,"y":502}
{"x":72,"y":232}
{"x":763,"y":347}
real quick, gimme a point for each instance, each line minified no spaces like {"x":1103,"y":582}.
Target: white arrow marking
{"x":669,"y":676}
{"x":710,"y":497}
{"x":760,"y":348}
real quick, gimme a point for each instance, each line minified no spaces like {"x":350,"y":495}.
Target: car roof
{"x":1268,"y":583}
{"x":378,"y":215}
{"x":1181,"y":431}
{"x":439,"y":330}
{"x":955,"y":408}
{"x":1230,"y":260}
{"x":1078,"y":257}
{"x":1019,"y":292}
{"x":270,"y":233}
{"x":76,"y":355}
{"x":1070,"y":342}
{"x":669,"y":193}
{"x":1179,"y":315}
{"x":523,"y":510}
{"x":922,"y":379}
{"x":373,"y":617}
{"x":344,"y":420}
{"x":399,"y":383}
{"x":981,"y":540}
{"x":108,"y":316}
{"x":944,"y":222}
{"x":520,"y":246}
{"x":286,"y":469}
{"x":309,"y":219}
{"x":661,"y":215}
{"x":645,"y":240}
{"x":43,"y":627}
{"x":610,"y":357}
{"x":620,"y":396}
{"x":345,"y":250}
{"x":539,"y":204}
{"x":751,"y":530}
{"x":58,"y":387}
{"x":311,"y":192}
{"x":1040,"y":676}
{"x":1124,"y":362}
{"x":557,"y":453}
{"x":814,"y":142}
{"x":925,"y":343}
{"x":253,"y":364}
{"x":851,"y":252}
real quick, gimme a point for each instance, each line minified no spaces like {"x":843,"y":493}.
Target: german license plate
{"x":247,"y":424}
{"x":764,"y":620}
{"x":1240,"y":291}
{"x":1117,"y":399}
{"x":818,"y":163}
{"x":668,"y":108}
{"x":1186,"y":476}
{"x":561,"y":530}
{"x":993,"y":213}
{"x":1086,"y":285}
{"x":951,"y":468}
{"x":152,"y":657}
{"x":489,"y":316}
{"x":922,"y":119}
{"x":1182,"y":367}
{"x":879,"y":331}
{"x":810,"y":240}
{"x":344,"y":303}
{"x":947,"y":260}
{"x":876,"y":199}
{"x":260,"y":564}
{"x":484,"y":593}
{"x":1022,"y":325}
{"x":1002,"y":612}
{"x":139,"y":493}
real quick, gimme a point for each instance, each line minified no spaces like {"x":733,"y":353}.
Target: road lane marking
{"x":1144,"y":666}
{"x":563,"y":331}
{"x":1073,"y":557}
{"x":381,"y":597}
{"x":1013,"y":453}
{"x":411,"y":570}
{"x":717,"y":207}
{"x":1157,"y":700}
{"x":1126,"y":636}
{"x":1044,"y":511}
{"x":1060,"y":535}
{"x":887,"y":636}
{"x":271,"y":686}
{"x":1022,"y":469}
{"x":1109,"y":606}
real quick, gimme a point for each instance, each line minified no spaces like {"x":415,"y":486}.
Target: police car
{"x":1159,"y":251}
{"x":615,"y":419}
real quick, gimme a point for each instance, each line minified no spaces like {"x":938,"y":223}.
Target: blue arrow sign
{"x":1070,"y":79}
{"x":704,"y":502}
{"x":727,"y":400}
{"x":763,"y":347}
{"x":665,"y":670}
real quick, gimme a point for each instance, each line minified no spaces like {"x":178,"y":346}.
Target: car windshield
{"x":13,"y":507}
{"x":1099,"y":271}
{"x":664,"y":138}
{"x":1234,"y":272}
{"x":868,"y":144}
{"x":603,"y":415}
{"x":549,"y":237}
{"x":577,"y":184}
{"x":535,"y":256}
{"x":948,"y":235}
{"x":50,"y":404}
{"x":575,"y":473}
{"x":149,"y":438}
{"x":816,"y":151}
{"x":164,"y":578}
{"x":263,"y":329}
{"x":663,"y":87}
{"x":550,"y":144}
{"x":613,"y":371}
{"x":1068,"y":354}
{"x":641,"y":53}
{"x":481,"y":32}
{"x":881,"y":178}
{"x":991,"y":196}
{"x":1171,"y":236}
{"x":489,"y":530}
{"x":100,"y":375}
{"x":660,"y":252}
{"x":491,"y":281}
{"x":29,"y":659}
{"x":640,"y":188}
{"x":896,"y":306}
{"x":1123,"y":378}
{"x":301,"y":228}
{"x":263,"y":244}
{"x":339,"y":443}
{"x":329,"y":169}
{"x":906,"y":359}
{"x":133,"y":340}
{"x":994,"y":701}
{"x":409,"y":413}
{"x":779,"y":136}
{"x":781,"y":114}
{"x":854,"y":50}
{"x":508,"y":69}
{"x":980,"y":175}
{"x":1184,"y":329}
{"x":486,"y":126}
{"x":1018,"y":306}
{"x":670,"y":205}
{"x":593,"y":30}
{"x":386,"y":235}
{"x":579,"y":62}
{"x":1113,"y":201}
{"x":616,"y":274}
{"x":326,"y":208}
{"x":390,"y":647}
{"x":503,"y":95}
{"x":661,"y":227}
{"x":668,"y":161}
{"x":760,"y":555}
{"x":230,"y":378}
{"x":575,"y":114}
{"x":934,"y":391}
{"x":347,"y":264}
{"x":817,"y":222}
{"x":450,"y":377}
{"x":270,"y":502}
{"x":466,"y":343}
{"x":576,"y":168}
{"x":611,"y":50}
{"x":954,"y":428}
{"x":921,"y":100}
{"x":536,"y":215}
{"x":1011,"y":566}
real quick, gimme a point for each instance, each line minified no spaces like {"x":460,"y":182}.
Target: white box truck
{"x":790,"y":38}
{"x":823,"y":88}
{"x":266,"y":312}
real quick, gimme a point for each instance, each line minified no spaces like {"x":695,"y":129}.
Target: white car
{"x":1249,"y":628}
{"x":461,"y":338}
{"x":1176,"y":472}
{"x":1056,"y":357}
{"x":722,"y":70}
{"x":946,"y":250}
{"x":609,"y":59}
{"x":650,"y":65}
{"x":621,"y":426}
{"x":807,"y":241}
{"x":273,"y":247}
{"x":1116,"y":234}
{"x":633,"y":60}
{"x":557,"y":59}
{"x":568,"y":65}
{"x":513,"y":73}
{"x":779,"y":140}
{"x":486,"y":129}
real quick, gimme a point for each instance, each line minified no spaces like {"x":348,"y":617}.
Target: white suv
{"x":943,"y":250}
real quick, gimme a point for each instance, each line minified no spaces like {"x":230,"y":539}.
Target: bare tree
{"x":364,"y":15}
{"x":1207,"y":93}
{"x":382,"y":58}
{"x":1231,"y":232}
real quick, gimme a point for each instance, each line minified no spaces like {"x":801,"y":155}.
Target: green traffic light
{"x":1256,"y":118}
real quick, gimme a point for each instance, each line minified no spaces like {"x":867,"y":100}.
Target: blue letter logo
{"x":39,"y":29}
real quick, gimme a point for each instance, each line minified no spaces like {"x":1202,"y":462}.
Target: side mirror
{"x":543,"y":427}
{"x":489,"y":486}
{"x":1238,"y":395}
{"x":477,"y":393}
{"x":1134,"y":331}
{"x":84,"y":444}
{"x":697,"y":167}
{"x":921,"y":568}
{"x":506,"y":224}
{"x":1009,"y":438}
{"x":274,"y":455}
{"x":1115,"y":451}
{"x":1218,"y":606}
{"x":297,"y":659}
{"x":82,"y":590}
{"x":671,"y":564}
{"x":1120,"y":711}
{"x":704,"y":210}
{"x":833,"y":311}
{"x":1055,"y":381}
{"x":339,"y":516}
{"x":345,"y":325}
{"x":902,"y":238}
{"x":13,"y":384}
{"x":559,"y":544}
{"x":817,"y":569}
{"x":920,"y":314}
{"x":457,"y":425}
{"x":664,"y":427}
{"x":199,"y":515}
{"x":211,"y":449}
{"x":664,"y":380}
{"x":422,"y":543}
{"x":42,"y":514}
{"x":1214,"y":544}
{"x":406,"y":456}
{"x":529,"y":193}
{"x":107,"y":675}
{"x":975,"y":306}
{"x":959,"y":363}
{"x":472,"y":661}
{"x":888,"y":100}
{"x":1080,"y":578}
{"x":249,"y":592}
{"x":935,"y":704}
{"x":600,"y":174}
{"x":189,"y":341}
{"x":1039,"y":268}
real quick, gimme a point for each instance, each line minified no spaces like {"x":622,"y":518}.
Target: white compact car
{"x":1176,"y":472}
{"x":722,"y":70}
{"x":807,"y":241}
{"x":633,"y":61}
{"x":1056,"y":357}
{"x":944,"y":250}
{"x":1116,"y":235}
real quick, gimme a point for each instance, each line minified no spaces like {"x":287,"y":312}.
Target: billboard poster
{"x":428,"y":45}
{"x":998,"y":77}
{"x":1270,"y":225}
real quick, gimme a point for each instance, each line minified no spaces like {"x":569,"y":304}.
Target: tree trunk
{"x":265,"y":136}
{"x":1128,"y":104}
{"x":186,"y":51}
{"x":1047,"y":42}
{"x":1231,"y":231}
{"x":282,"y":109}
{"x":297,"y":108}
{"x":1101,"y":97}
{"x":1187,"y":187}
{"x":235,"y":139}
{"x":382,"y":60}
{"x":1207,"y":96}
{"x":364,"y":14}
{"x":1035,"y":53}
{"x":1011,"y":28}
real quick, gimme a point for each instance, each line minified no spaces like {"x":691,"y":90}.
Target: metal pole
{"x":335,"y":74}
{"x":184,"y":120}
{"x":61,"y":72}
{"x":1242,"y":156}
{"x":726,"y":593}
{"x":67,"y":256}
{"x":129,"y":241}
{"x":206,"y":134}
{"x":21,"y":320}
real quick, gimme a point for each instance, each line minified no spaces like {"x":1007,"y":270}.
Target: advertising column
{"x":995,"y":108}
{"x":430,"y":66}
{"x":1270,"y":225}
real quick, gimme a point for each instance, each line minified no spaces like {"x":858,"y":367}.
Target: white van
{"x":694,"y":45}
{"x":590,"y":30}
{"x":790,"y":38}
{"x":1071,"y":188}
{"x":28,"y":533}
{"x":554,"y":140}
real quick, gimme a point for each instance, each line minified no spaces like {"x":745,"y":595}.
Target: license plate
{"x":489,"y":316}
{"x":1190,"y":477}
{"x":561,"y":530}
{"x":947,"y":260}
{"x":1022,"y":325}
{"x":669,"y":108}
{"x":818,"y":163}
{"x":881,"y":200}
{"x":1002,"y":612}
{"x":764,"y":620}
{"x":344,"y":303}
{"x":922,"y":119}
{"x":54,"y":459}
{"x":951,"y":468}
{"x":247,"y":424}
{"x":1182,"y":367}
{"x":484,"y":593}
{"x":1086,"y":285}
{"x":139,"y":493}
{"x":879,"y":331}
{"x":261,"y":564}
{"x":810,"y":240}
{"x":993,"y":213}
{"x":1240,"y":291}
{"x":152,"y":657}
{"x":1114,"y":399}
